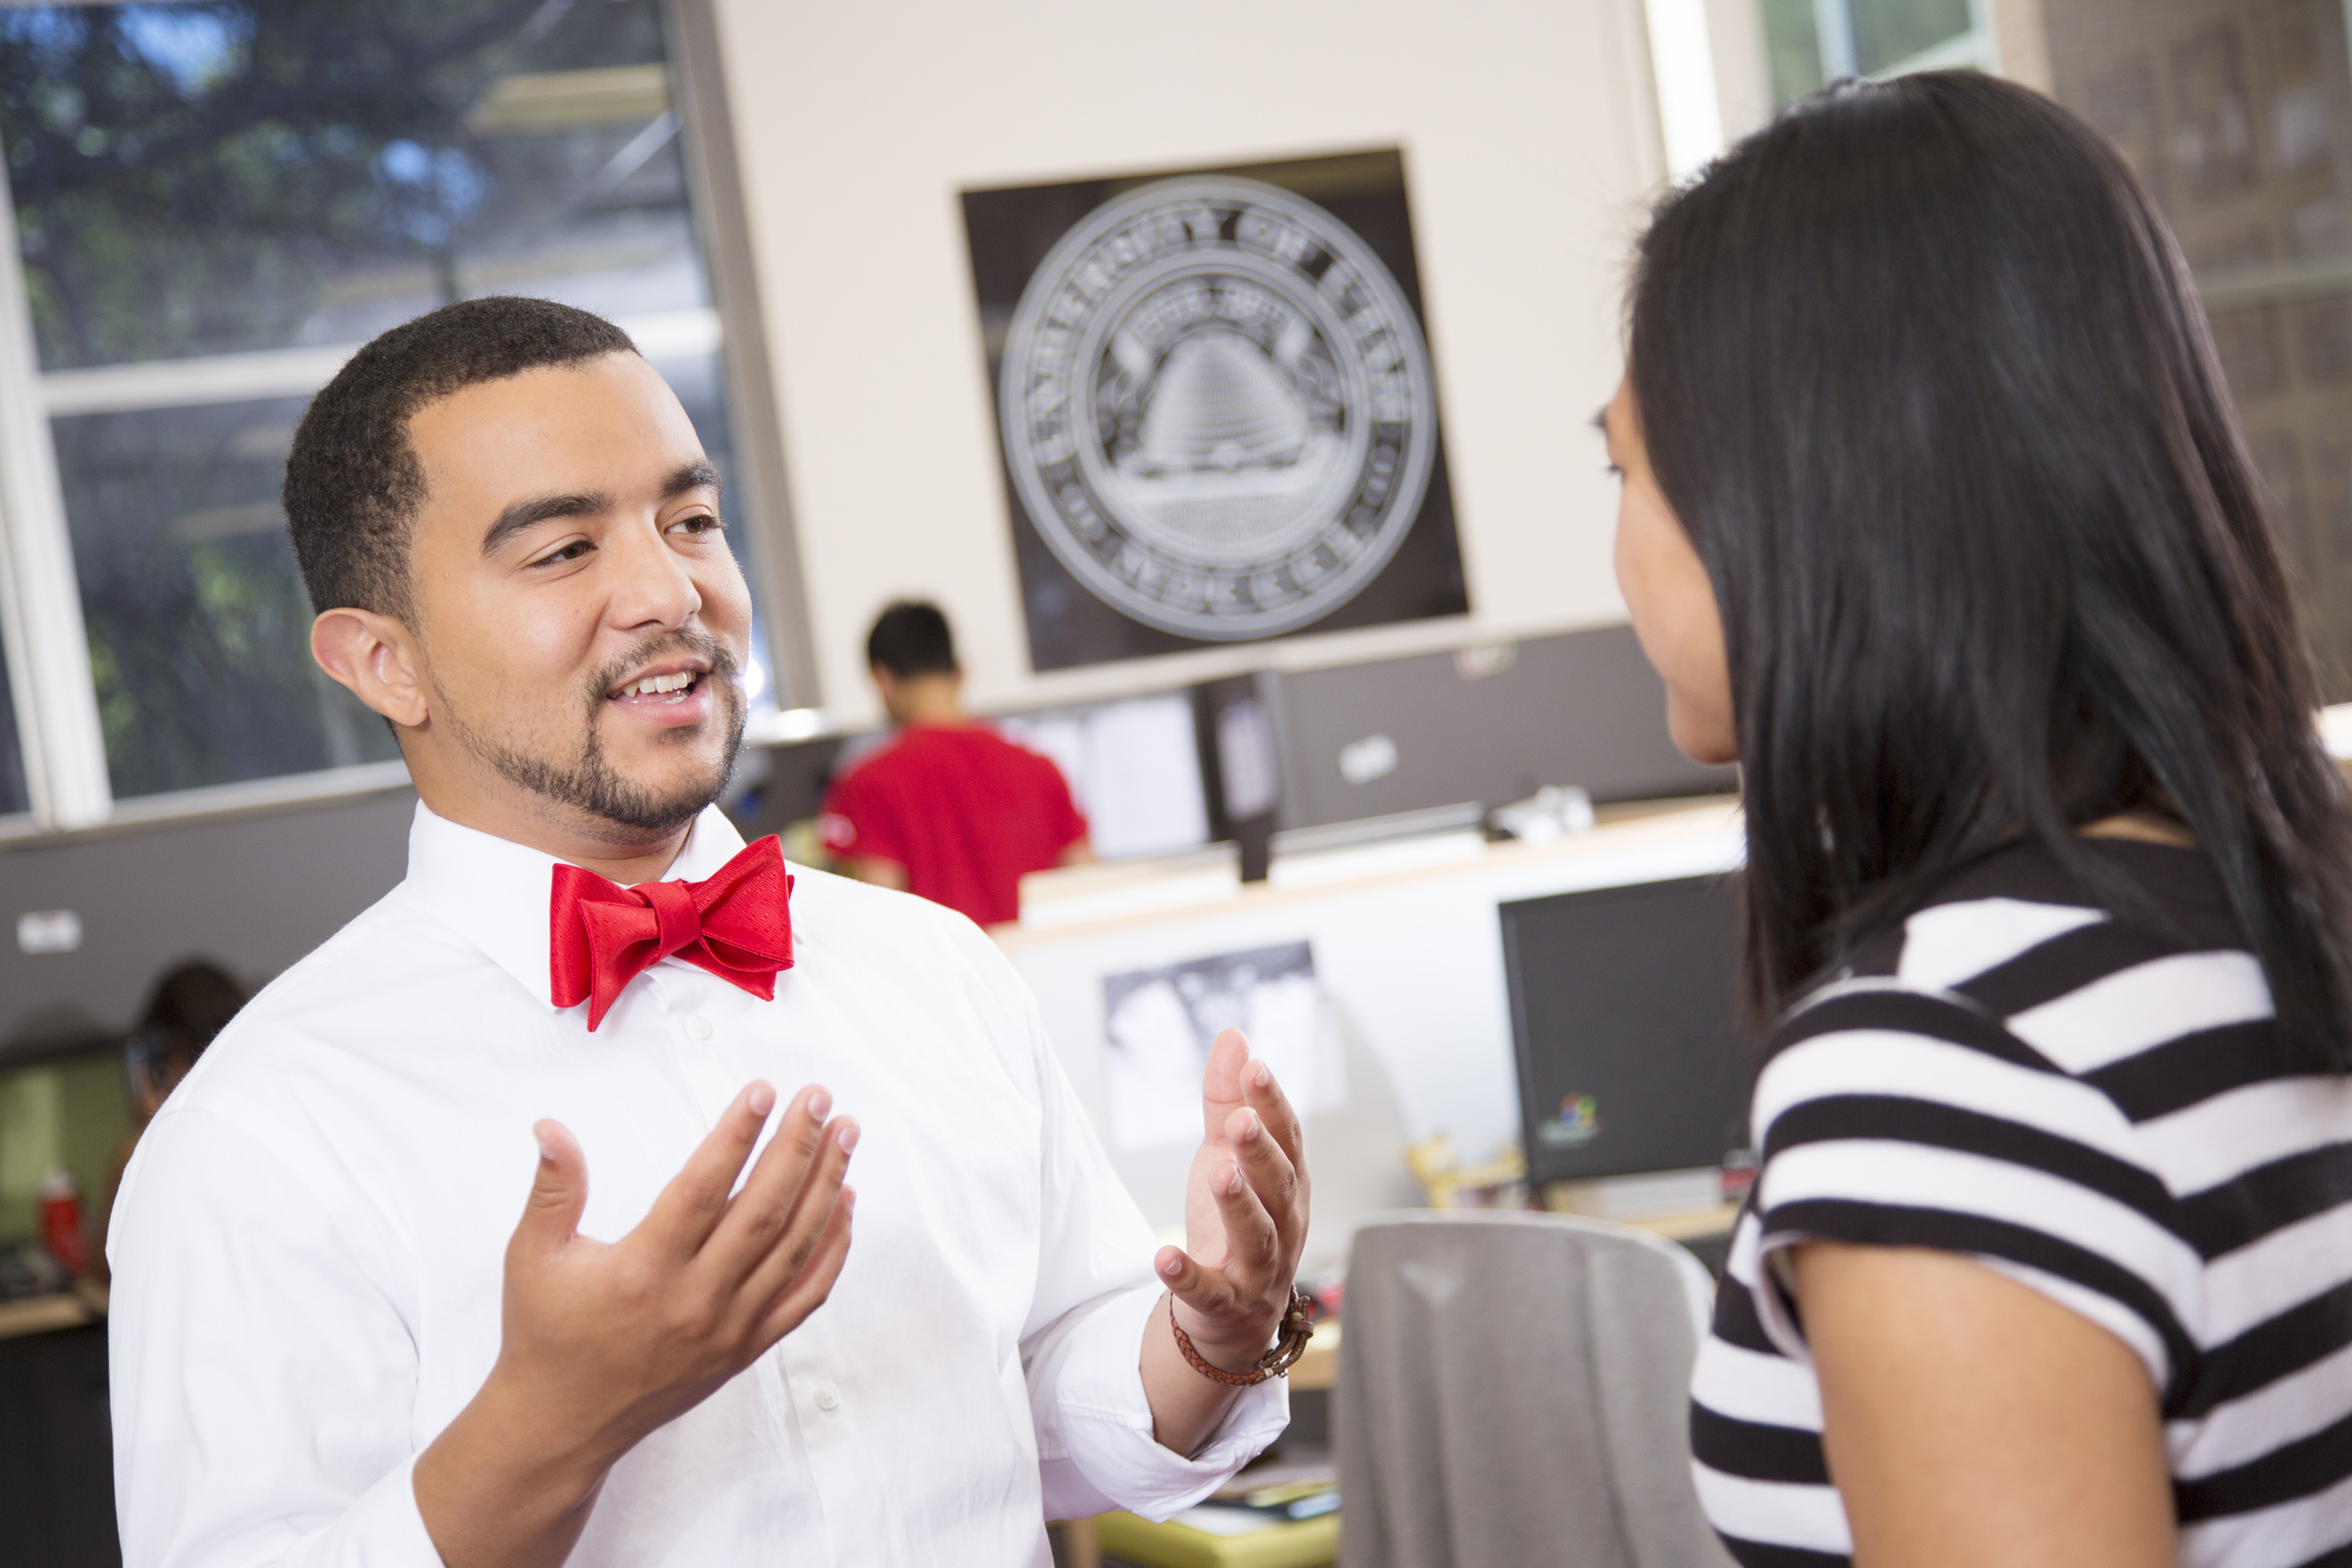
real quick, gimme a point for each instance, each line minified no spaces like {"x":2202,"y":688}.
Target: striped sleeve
{"x":1895,"y":1116}
{"x":2100,"y":1107}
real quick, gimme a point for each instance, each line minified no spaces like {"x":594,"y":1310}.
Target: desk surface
{"x":1195,"y":884}
{"x":84,"y":1304}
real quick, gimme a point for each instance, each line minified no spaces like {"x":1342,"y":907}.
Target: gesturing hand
{"x":604,"y":1343}
{"x":1245,"y":1212}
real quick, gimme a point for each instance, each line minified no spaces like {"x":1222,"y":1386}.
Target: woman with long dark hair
{"x":1938,"y":520}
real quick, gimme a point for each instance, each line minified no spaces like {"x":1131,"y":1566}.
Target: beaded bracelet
{"x":1297,"y":1327}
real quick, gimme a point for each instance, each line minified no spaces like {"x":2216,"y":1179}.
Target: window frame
{"x":42,"y":634}
{"x":1834,"y":32}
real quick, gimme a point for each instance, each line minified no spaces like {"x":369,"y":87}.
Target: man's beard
{"x":589,"y":782}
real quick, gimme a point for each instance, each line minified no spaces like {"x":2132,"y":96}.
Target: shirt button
{"x":699,"y":1027}
{"x":828,"y":1397}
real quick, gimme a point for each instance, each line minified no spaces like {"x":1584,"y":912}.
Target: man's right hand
{"x":604,"y":1343}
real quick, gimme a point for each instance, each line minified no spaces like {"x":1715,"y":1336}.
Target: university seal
{"x":1217,"y":408}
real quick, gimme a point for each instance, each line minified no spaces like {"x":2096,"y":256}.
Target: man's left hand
{"x":1245,"y":1212}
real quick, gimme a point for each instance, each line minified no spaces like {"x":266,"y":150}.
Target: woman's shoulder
{"x":2082,"y":1087}
{"x":2015,"y":990}
{"x":2018,"y":1013}
{"x":2082,"y":962}
{"x":2010,"y":901}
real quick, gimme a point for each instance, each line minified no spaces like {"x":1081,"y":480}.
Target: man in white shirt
{"x":332,"y":1343}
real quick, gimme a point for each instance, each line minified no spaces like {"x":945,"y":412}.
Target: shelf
{"x":83,"y":1305}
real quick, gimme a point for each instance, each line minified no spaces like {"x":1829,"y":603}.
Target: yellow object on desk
{"x":1304,"y":1544}
{"x":1446,"y":1181}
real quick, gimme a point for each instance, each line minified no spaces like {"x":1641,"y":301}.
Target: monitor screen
{"x":1134,"y":767}
{"x":1489,"y":724}
{"x":1626,"y":1027}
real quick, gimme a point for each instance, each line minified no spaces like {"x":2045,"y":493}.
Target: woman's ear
{"x":377,"y":658}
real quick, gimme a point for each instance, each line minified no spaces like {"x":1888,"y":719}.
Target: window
{"x":14,"y":799}
{"x":2238,"y":117}
{"x":213,"y":205}
{"x":1811,"y":43}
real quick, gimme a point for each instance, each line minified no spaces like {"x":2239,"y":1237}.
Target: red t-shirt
{"x":963,"y":810}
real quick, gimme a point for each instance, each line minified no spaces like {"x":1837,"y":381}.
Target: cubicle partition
{"x":1373,"y":978}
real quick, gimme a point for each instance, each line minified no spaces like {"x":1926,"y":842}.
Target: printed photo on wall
{"x":1217,"y":413}
{"x":1160,"y":1023}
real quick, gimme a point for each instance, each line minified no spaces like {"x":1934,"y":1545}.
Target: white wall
{"x":1530,"y":142}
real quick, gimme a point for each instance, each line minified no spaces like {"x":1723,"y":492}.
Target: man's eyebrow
{"x":542,"y":508}
{"x":529,"y":513}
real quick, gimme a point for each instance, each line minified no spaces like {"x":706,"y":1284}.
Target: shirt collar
{"x":496,"y":893}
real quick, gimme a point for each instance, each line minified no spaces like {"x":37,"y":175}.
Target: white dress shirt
{"x":308,"y":1247}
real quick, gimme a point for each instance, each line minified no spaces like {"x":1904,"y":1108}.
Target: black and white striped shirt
{"x":2094,"y":1108}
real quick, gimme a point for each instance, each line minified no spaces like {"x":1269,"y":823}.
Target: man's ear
{"x":377,"y":658}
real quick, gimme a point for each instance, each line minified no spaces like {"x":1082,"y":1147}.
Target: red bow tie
{"x":737,"y":924}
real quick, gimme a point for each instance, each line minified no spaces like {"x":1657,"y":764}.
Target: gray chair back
{"x":1514,"y":1393}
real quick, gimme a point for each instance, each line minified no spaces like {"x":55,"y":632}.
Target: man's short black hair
{"x":354,"y":482}
{"x":911,"y":638}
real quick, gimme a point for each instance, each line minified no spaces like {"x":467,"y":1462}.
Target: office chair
{"x":1514,"y":1391}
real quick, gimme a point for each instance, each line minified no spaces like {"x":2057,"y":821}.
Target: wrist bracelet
{"x":1297,"y":1327}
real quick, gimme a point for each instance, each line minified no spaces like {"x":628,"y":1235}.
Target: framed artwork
{"x":1215,"y":405}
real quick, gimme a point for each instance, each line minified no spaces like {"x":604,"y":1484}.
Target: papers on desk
{"x":1161,"y":1022}
{"x":1283,"y":1512}
{"x":1211,"y":1519}
{"x":1183,"y":1542}
{"x":1263,"y":1508}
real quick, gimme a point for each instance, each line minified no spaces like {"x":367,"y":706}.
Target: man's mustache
{"x":724,"y":665}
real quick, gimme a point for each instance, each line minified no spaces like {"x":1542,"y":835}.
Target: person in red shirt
{"x":949,"y":810}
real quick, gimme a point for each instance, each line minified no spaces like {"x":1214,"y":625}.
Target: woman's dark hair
{"x":1922,"y":374}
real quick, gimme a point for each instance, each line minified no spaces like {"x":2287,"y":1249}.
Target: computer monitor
{"x":1134,"y":767}
{"x":1489,"y":724}
{"x":1626,"y":1027}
